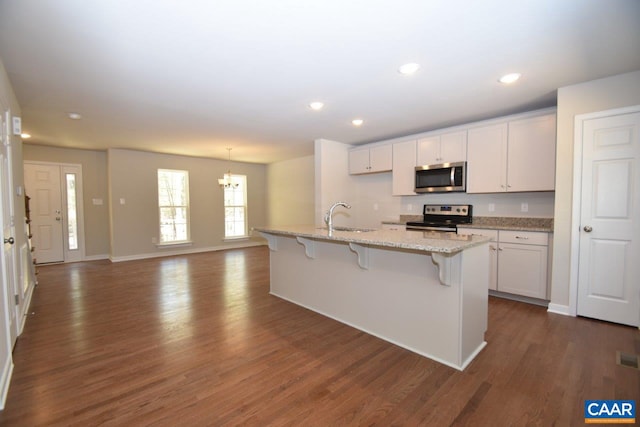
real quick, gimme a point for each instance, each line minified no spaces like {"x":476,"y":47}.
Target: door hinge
{"x":17,"y":299}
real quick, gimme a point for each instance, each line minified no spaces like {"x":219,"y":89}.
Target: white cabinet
{"x":403,"y":173}
{"x":514,"y":156}
{"x":493,"y":251}
{"x":487,"y":159}
{"x":518,"y":261}
{"x":531,"y":164}
{"x":445,"y":148}
{"x":522,"y":264}
{"x":370,"y":160}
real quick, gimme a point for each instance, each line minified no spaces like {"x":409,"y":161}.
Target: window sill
{"x":235,"y":239}
{"x":181,"y":244}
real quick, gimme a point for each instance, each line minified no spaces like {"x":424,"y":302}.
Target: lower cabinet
{"x":518,"y":261}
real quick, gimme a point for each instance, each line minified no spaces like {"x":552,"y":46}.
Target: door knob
{"x":10,"y":240}
{"x":57,"y":218}
{"x":588,"y":228}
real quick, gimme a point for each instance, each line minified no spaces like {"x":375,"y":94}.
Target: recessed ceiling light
{"x":74,"y":116}
{"x":409,"y":68}
{"x":509,"y":78}
{"x":25,"y":135}
{"x":316,"y":105}
{"x":357,"y":122}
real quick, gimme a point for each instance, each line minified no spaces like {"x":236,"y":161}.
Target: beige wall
{"x":291,"y":190}
{"x":132,"y":176}
{"x":598,"y":95}
{"x":94,"y":186}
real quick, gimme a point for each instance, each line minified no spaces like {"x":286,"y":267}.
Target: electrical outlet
{"x":409,"y":207}
{"x":524,"y":207}
{"x":492,"y":207}
{"x":154,"y":240}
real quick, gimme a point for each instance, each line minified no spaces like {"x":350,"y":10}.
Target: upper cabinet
{"x":370,"y":159}
{"x":445,"y":148}
{"x":532,"y":154}
{"x":487,"y":159}
{"x":514,"y":156}
{"x":404,"y":163}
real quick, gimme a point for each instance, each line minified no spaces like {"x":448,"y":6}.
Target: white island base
{"x":394,"y":294}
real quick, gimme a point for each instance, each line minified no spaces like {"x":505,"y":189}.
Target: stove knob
{"x":458,"y":210}
{"x":464,"y":209}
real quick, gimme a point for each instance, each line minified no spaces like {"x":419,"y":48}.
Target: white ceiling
{"x":196,"y":76}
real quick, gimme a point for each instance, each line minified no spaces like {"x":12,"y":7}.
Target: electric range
{"x":443,"y":218}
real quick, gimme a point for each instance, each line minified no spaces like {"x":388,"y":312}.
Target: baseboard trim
{"x":96,"y":257}
{"x":559,"y":309}
{"x":519,"y":298}
{"x":186,"y":251}
{"x":5,"y":380}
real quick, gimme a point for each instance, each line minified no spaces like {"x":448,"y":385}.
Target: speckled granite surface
{"x":512,"y":223}
{"x":495,"y":223}
{"x":428,"y":241}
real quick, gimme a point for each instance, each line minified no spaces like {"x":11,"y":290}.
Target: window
{"x":72,"y":217}
{"x":235,"y":207}
{"x":173,"y":203}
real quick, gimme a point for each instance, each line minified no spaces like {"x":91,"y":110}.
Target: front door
{"x":8,"y":230}
{"x":609,"y":254}
{"x":42,"y":184}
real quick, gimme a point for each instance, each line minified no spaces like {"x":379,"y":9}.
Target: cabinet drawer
{"x":492,"y":234}
{"x":397,"y":227}
{"x":524,"y":237}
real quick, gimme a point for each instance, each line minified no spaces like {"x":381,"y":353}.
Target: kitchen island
{"x":424,"y":291}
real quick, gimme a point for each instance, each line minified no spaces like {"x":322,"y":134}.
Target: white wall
{"x":291,"y":192}
{"x":597,"y":95}
{"x":333,"y":182}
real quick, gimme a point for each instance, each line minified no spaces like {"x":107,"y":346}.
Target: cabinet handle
{"x":499,"y":249}
{"x":522,"y":237}
{"x":492,"y":248}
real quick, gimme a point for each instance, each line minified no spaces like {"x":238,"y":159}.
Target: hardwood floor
{"x":198,"y":340}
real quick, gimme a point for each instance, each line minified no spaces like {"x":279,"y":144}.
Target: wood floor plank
{"x":198,"y":340}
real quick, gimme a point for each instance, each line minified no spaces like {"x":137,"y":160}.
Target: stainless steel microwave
{"x":441,"y":178}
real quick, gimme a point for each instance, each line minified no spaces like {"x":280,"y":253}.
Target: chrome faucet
{"x":328,"y":216}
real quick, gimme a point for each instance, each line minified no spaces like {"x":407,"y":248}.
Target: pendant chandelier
{"x":225,"y":181}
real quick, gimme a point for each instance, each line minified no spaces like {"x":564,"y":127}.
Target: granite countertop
{"x":427,"y":241}
{"x":494,"y":223}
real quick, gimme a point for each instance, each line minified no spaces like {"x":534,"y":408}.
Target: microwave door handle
{"x":453,"y":176}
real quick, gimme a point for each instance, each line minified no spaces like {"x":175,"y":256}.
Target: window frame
{"x":242,"y":185}
{"x":187,"y":208}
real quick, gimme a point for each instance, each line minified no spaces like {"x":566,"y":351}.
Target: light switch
{"x":524,"y":207}
{"x":492,"y":207}
{"x":97,"y":202}
{"x":122,"y":201}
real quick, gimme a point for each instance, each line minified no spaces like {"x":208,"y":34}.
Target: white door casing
{"x":606,"y":220}
{"x":9,"y":278}
{"x":42,"y":184}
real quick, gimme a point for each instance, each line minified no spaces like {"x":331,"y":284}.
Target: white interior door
{"x":42,"y":184}
{"x":9,"y":279}
{"x":609,"y":247}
